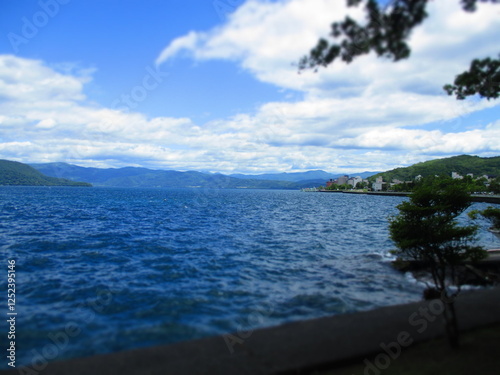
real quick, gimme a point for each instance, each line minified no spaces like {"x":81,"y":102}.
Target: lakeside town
{"x":484,"y":184}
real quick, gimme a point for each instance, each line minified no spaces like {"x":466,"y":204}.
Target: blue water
{"x":101,"y":270}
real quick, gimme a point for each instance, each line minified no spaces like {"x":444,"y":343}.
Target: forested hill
{"x":15,"y":173}
{"x":463,"y":164}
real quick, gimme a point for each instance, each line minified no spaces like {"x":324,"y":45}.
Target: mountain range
{"x":14,"y":173}
{"x":143,"y":177}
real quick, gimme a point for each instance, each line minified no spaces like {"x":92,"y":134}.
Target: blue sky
{"x":209,"y":85}
{"x":119,"y":39}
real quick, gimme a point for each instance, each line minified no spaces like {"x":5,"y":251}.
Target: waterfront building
{"x":353,"y":181}
{"x":342,"y":180}
{"x":378,"y":185}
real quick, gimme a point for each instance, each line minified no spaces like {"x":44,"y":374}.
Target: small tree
{"x":361,"y":185}
{"x":425,"y":230}
{"x":495,"y":186}
{"x":490,"y":213}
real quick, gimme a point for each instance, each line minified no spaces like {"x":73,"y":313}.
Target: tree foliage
{"x":469,"y":184}
{"x":483,"y":78}
{"x":490,"y":213}
{"x":462,"y":164}
{"x":426,"y":231}
{"x":495,"y":186}
{"x":386,"y":32}
{"x":15,"y":173}
{"x":361,"y":185}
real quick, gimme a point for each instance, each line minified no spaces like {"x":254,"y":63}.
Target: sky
{"x":212,"y":85}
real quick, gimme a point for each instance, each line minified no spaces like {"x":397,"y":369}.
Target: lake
{"x":101,"y":270}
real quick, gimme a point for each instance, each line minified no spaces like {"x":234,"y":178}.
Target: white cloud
{"x":265,"y":38}
{"x":370,"y":104}
{"x":190,"y":41}
{"x":372,"y":114}
{"x":25,"y":80}
{"x":47,"y":123}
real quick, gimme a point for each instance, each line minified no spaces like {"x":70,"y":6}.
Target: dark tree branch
{"x":483,"y":78}
{"x":470,"y":5}
{"x":386,"y":32}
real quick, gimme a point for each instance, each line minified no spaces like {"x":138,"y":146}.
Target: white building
{"x":353,"y":181}
{"x":378,"y":184}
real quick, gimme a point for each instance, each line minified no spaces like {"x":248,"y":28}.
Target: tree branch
{"x":386,"y":32}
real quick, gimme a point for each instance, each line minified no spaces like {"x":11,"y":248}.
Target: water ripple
{"x":138,"y":267}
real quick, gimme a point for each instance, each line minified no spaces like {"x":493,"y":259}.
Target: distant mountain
{"x":316,"y":175}
{"x":143,"y":177}
{"x":98,"y":176}
{"x":295,"y":177}
{"x":15,"y":173}
{"x":462,"y":164}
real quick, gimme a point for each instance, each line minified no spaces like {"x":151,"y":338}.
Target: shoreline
{"x":475,"y":197}
{"x":293,"y":348}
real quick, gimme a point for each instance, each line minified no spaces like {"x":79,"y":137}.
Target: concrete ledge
{"x":294,"y":348}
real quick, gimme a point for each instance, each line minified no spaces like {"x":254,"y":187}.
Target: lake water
{"x":101,"y":270}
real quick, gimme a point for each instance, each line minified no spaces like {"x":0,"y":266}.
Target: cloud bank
{"x":371,"y":114}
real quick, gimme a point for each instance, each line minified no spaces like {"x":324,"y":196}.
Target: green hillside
{"x":462,"y":164}
{"x":15,"y":173}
